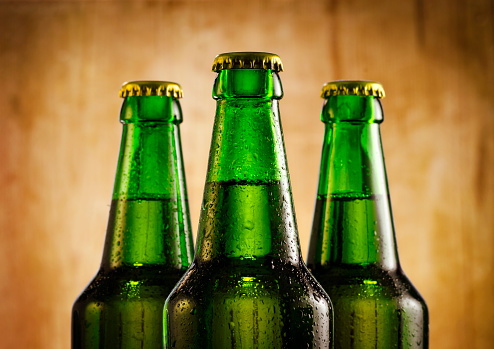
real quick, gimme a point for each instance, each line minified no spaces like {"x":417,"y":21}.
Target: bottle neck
{"x":247,"y":214}
{"x":149,"y":222}
{"x":353,"y":222}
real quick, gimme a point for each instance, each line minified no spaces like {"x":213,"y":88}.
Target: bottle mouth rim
{"x":151,"y":88}
{"x":353,"y":87}
{"x":247,"y":60}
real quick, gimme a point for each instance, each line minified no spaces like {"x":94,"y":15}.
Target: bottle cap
{"x":352,"y":87}
{"x":247,"y":60}
{"x":151,"y":88}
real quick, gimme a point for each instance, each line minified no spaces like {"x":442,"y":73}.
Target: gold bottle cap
{"x":151,"y":88}
{"x":247,"y":60}
{"x":352,"y":87}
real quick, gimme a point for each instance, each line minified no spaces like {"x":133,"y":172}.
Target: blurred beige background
{"x":62,"y":64}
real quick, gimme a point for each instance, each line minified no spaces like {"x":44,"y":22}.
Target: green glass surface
{"x":353,"y":251}
{"x":148,"y":243}
{"x":248,"y":286}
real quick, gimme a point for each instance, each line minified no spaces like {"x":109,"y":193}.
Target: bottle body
{"x":352,"y":252}
{"x":248,"y":301}
{"x":248,"y":286}
{"x":148,"y":243}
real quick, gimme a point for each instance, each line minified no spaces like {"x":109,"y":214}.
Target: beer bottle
{"x":247,"y":286}
{"x":148,"y":242}
{"x":353,"y":251}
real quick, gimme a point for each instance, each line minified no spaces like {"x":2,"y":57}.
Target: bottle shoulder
{"x":126,"y":283}
{"x":366,"y":280}
{"x":287,"y":282}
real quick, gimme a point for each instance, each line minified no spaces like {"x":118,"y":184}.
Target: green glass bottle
{"x":148,"y":243}
{"x":353,"y":251}
{"x":248,"y":286}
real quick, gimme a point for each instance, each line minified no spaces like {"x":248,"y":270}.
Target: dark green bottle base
{"x":123,"y":309}
{"x":375,"y":309}
{"x":271,"y":307}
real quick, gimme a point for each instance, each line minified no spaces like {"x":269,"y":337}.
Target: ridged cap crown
{"x":247,"y":60}
{"x":352,"y":87}
{"x":151,"y":88}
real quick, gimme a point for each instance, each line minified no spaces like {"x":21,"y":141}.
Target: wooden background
{"x":62,"y":64}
